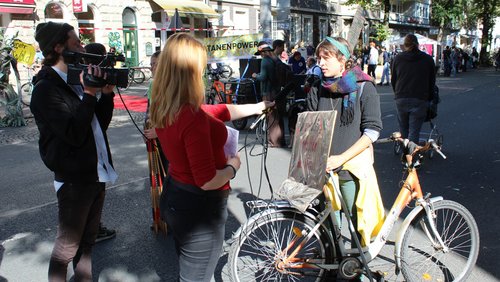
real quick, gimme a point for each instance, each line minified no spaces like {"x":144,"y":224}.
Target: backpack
{"x":282,"y":73}
{"x":433,"y":105}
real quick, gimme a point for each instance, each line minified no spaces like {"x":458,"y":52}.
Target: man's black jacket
{"x":66,"y":143}
{"x":413,"y":75}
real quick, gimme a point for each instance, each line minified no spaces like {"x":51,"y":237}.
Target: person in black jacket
{"x":413,"y":81}
{"x":72,"y":123}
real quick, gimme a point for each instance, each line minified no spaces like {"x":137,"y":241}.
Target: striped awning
{"x":187,"y":8}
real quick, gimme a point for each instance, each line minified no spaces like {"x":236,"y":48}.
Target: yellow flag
{"x":24,"y":52}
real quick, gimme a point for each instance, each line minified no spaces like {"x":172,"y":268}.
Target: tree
{"x":446,"y":14}
{"x":9,"y":97}
{"x":487,"y":11}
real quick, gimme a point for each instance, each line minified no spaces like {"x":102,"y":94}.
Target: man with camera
{"x":73,"y":144}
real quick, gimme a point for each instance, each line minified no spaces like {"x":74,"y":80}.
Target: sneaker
{"x":386,"y":84}
{"x":380,"y":83}
{"x":105,"y":234}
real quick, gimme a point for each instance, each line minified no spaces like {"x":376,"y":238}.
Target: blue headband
{"x":342,"y":48}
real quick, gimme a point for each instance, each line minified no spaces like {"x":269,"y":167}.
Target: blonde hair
{"x":332,"y":51}
{"x":178,"y":79}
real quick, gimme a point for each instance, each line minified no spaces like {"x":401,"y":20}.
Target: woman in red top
{"x":192,"y":136}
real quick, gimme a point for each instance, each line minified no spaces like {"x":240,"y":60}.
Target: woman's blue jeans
{"x":197,"y":221}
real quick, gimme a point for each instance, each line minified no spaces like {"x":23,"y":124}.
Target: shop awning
{"x":187,"y":8}
{"x":17,"y":6}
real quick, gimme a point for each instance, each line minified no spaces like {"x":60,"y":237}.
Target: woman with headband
{"x":345,"y":88}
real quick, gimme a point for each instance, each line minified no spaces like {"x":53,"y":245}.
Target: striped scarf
{"x":347,"y":88}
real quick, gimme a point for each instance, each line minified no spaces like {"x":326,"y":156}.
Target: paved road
{"x":467,"y":119}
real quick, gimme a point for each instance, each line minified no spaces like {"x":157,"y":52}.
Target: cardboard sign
{"x":23,"y":52}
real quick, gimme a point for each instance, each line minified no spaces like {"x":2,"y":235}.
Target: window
{"x":294,"y":29}
{"x":323,"y":28}
{"x":308,"y":30}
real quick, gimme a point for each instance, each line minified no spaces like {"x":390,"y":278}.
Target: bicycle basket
{"x":311,"y":147}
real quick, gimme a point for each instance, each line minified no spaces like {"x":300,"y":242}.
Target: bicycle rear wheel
{"x":424,"y":260}
{"x":255,"y":255}
{"x":26,"y":90}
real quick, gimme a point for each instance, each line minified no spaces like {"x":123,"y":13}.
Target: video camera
{"x":114,"y":76}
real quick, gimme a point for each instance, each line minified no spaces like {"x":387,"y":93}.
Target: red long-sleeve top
{"x":194,"y":144}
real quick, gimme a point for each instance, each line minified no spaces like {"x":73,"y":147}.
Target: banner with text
{"x":231,"y":47}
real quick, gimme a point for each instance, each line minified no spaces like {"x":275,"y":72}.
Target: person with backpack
{"x":413,"y":81}
{"x":346,"y":89}
{"x":270,"y":87}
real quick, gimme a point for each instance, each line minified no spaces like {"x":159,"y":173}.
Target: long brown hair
{"x":178,"y":79}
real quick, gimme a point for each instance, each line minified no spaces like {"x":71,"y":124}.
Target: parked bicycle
{"x":437,"y":241}
{"x":222,"y":90}
{"x":27,"y":88}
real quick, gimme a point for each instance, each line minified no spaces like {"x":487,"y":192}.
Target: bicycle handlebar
{"x":407,"y":144}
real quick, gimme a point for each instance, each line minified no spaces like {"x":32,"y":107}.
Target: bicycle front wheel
{"x":424,"y":259}
{"x":226,"y":71}
{"x":138,"y":76}
{"x":258,"y":253}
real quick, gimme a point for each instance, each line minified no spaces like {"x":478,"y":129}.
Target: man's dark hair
{"x":278,"y":43}
{"x":411,"y":42}
{"x":94,"y":48}
{"x":48,"y":35}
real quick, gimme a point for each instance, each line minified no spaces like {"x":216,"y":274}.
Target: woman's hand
{"x":334,"y":162}
{"x":267,"y":104}
{"x":234,"y":161}
{"x":150,"y":133}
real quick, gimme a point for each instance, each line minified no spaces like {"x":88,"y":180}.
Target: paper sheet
{"x":231,"y":146}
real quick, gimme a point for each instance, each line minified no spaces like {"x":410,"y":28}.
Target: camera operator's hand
{"x":108,"y":89}
{"x":93,"y":72}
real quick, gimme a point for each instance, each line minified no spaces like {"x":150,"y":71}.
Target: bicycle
{"x":27,"y":88}
{"x":221,"y":92}
{"x":437,"y":241}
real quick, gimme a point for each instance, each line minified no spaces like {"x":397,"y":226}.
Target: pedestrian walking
{"x":386,"y":57}
{"x":372,"y":60}
{"x":73,"y":144}
{"x":413,"y":81}
{"x":475,"y":57}
{"x":193,"y":138}
{"x":447,"y":61}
